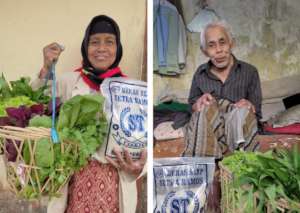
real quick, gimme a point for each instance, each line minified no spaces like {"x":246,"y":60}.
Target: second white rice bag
{"x":182,"y":184}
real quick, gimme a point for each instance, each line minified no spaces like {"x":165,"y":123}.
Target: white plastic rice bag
{"x":126,"y":112}
{"x":181,"y":184}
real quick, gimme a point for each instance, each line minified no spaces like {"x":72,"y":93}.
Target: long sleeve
{"x":195,"y":91}
{"x":66,"y":85}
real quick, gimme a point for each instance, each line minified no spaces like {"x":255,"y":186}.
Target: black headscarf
{"x":104,"y":24}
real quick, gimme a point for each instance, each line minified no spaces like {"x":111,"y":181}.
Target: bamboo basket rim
{"x":27,"y":132}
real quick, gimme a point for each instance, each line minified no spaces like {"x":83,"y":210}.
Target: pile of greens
{"x":22,"y":87}
{"x":19,"y":103}
{"x":271,"y":175}
{"x":82,"y":127}
{"x":14,"y":102}
{"x":17,"y":96}
{"x":80,"y":123}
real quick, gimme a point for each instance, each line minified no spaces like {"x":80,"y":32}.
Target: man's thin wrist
{"x":194,"y":107}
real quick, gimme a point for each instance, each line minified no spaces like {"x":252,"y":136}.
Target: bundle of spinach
{"x":82,"y":120}
{"x":82,"y":125}
{"x":271,"y":175}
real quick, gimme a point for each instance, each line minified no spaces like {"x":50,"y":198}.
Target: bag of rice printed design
{"x":126,"y":112}
{"x":181,"y":184}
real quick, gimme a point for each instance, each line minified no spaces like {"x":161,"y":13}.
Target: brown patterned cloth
{"x":95,"y":188}
{"x":218,"y":129}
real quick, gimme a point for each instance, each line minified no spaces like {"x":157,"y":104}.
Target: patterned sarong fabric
{"x":94,"y":189}
{"x":218,"y":129}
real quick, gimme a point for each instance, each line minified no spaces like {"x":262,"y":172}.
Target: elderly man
{"x":225,"y":98}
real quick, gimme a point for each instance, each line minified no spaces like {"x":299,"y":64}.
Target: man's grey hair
{"x":220,"y":23}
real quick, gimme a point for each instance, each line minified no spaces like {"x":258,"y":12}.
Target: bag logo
{"x":186,"y":203}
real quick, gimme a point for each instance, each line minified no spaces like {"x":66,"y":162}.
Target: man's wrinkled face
{"x":218,"y":47}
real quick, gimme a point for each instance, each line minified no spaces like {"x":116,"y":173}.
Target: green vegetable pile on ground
{"x":271,"y":176}
{"x":82,"y":127}
{"x":239,"y":161}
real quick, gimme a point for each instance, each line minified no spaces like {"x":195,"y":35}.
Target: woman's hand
{"x":51,"y":54}
{"x":127,"y":164}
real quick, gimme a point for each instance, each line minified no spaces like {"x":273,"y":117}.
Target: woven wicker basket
{"x":228,"y":200}
{"x":20,"y":174}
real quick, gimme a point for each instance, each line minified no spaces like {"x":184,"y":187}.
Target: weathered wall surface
{"x":267,"y":34}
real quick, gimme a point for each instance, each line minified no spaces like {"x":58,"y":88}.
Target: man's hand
{"x":127,"y":164}
{"x":245,"y":103}
{"x":205,"y":100}
{"x":51,"y":54}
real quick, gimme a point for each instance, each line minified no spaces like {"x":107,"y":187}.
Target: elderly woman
{"x":100,"y":186}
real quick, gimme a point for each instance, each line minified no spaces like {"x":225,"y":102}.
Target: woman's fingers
{"x":127,"y":157}
{"x":112,"y":162}
{"x":143,"y":158}
{"x":119,"y":157}
{"x":51,"y":53}
{"x":126,"y":163}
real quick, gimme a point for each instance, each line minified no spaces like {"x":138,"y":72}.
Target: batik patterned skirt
{"x":94,"y":189}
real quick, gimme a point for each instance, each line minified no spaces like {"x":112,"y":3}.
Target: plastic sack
{"x":126,"y":112}
{"x":182,"y":184}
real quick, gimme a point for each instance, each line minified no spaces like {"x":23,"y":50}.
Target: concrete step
{"x":9,"y":203}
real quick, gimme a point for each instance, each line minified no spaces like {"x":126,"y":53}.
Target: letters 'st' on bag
{"x":126,"y":112}
{"x":182,"y":184}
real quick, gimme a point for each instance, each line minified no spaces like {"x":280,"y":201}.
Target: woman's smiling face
{"x":102,"y":50}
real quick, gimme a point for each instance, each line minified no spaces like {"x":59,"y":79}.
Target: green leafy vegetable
{"x":44,"y":155}
{"x":22,"y":87}
{"x":82,"y":127}
{"x":272,"y":175}
{"x":40,"y":121}
{"x":5,"y":91}
{"x":14,"y":102}
{"x":81,"y":119}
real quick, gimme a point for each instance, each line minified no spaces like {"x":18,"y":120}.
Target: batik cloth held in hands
{"x":220,"y":128}
{"x":126,"y":111}
{"x":182,"y":184}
